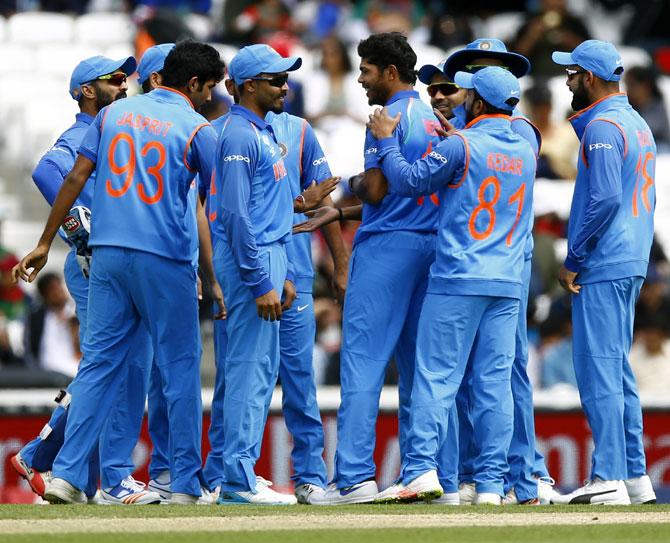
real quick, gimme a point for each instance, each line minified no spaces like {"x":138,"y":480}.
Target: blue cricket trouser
{"x":450,"y":327}
{"x":158,"y":425}
{"x":447,"y":454}
{"x":602,"y":324}
{"x":122,"y":429}
{"x":129,"y":289}
{"x":213,"y":470}
{"x":296,"y":372}
{"x":251,"y":367}
{"x":388,"y":275}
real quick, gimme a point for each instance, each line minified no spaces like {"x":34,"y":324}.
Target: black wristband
{"x":341,"y":214}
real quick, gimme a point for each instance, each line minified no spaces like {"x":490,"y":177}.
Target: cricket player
{"x":147,"y":149}
{"x":95,"y":83}
{"x":254,"y":215}
{"x":484,"y":175}
{"x":610,"y":233}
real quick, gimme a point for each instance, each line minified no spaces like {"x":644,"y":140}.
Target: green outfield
{"x":365,"y":523}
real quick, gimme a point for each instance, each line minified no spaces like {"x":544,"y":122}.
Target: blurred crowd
{"x":40,"y":331}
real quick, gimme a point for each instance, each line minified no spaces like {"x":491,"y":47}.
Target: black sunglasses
{"x":117,"y":78}
{"x":276,"y":81}
{"x":570,"y":73}
{"x":445,"y":88}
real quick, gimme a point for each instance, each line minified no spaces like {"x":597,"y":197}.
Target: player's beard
{"x":103,"y":98}
{"x":580,"y":97}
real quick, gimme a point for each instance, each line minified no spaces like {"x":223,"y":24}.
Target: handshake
{"x":77,"y":227}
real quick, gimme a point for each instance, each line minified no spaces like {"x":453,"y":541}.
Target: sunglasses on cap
{"x":570,"y":72}
{"x":445,"y":88}
{"x":116,"y":78}
{"x":276,"y":81}
{"x":474,"y":68}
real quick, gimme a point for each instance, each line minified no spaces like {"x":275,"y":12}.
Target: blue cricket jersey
{"x":611,"y":224}
{"x":416,"y":137}
{"x":254,"y":203}
{"x":484,"y":175}
{"x":147,"y":151}
{"x":305,"y":162}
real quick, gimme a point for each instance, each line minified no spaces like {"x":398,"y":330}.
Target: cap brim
{"x":464,"y":80}
{"x":288,"y":64}
{"x":562,"y":58}
{"x":518,"y":64}
{"x":427,"y":72}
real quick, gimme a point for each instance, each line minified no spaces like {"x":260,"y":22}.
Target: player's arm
{"x":48,"y":178}
{"x":233,"y":178}
{"x":326,"y":215}
{"x":602,"y":152}
{"x":205,"y":260}
{"x":370,"y":186}
{"x":315,"y":166}
{"x":67,"y":195}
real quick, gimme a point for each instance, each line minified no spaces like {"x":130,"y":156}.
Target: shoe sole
{"x":55,"y":499}
{"x":35,"y":486}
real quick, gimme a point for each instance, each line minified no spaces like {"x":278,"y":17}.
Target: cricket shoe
{"x":640,"y":490}
{"x":59,"y":491}
{"x":597,"y":491}
{"x":425,"y":487}
{"x":546,"y":492}
{"x":448,"y":498}
{"x":37,"y":480}
{"x":261,"y":495}
{"x":308,"y":492}
{"x":364,"y":492}
{"x":511,"y":499}
{"x":467,"y":493}
{"x":129,"y":492}
{"x":161,"y":486}
{"x":488,"y":498}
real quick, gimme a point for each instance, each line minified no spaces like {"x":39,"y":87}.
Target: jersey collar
{"x":490,"y":120}
{"x":402,"y":95}
{"x":171,"y":95}
{"x":82,"y":117}
{"x":582,"y":118}
{"x":250,"y":116}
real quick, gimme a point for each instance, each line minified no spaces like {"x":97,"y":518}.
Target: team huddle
{"x":149,"y":194}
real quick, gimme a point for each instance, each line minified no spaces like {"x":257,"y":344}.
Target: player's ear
{"x":88,"y":91}
{"x":392,"y":72}
{"x":193,"y":84}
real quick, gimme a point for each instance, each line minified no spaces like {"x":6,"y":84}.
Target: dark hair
{"x":643,"y":75}
{"x":390,"y":48}
{"x":492,"y":110}
{"x":538,"y":95}
{"x":146,"y":86}
{"x":45,"y":281}
{"x":192,"y":59}
{"x":343,"y":52}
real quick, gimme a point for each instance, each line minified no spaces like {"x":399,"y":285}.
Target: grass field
{"x":364,"y":523}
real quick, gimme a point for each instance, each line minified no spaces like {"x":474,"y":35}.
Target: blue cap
{"x":153,"y":60}
{"x":258,"y":59}
{"x":494,"y":84}
{"x":428,"y":71}
{"x":92,"y":68}
{"x":486,"y":48}
{"x":599,"y":57}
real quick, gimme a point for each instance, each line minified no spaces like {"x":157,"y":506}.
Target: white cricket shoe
{"x":364,"y":492}
{"x":161,"y":486}
{"x":640,"y":490}
{"x":261,"y":495}
{"x":448,"y":498}
{"x":467,"y":493}
{"x":546,"y":492}
{"x":597,"y":491}
{"x":308,"y":492}
{"x":488,"y":498}
{"x":59,"y":491}
{"x":129,"y":492}
{"x":425,"y":487}
{"x":511,"y":499}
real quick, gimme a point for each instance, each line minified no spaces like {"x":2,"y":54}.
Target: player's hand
{"x":317,"y":218}
{"x":35,"y":261}
{"x":269,"y":306}
{"x":447,"y":128}
{"x":312,"y":195}
{"x":567,"y":280}
{"x":381,"y":124}
{"x":289,"y":295}
{"x":217,"y":294}
{"x":340,"y":276}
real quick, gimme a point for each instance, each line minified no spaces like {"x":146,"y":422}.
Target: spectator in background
{"x":260,"y":20}
{"x":552,"y":28}
{"x":12,"y":298}
{"x":650,"y":355}
{"x":555,"y":349}
{"x":646,"y":98}
{"x":560,"y":147}
{"x":334,"y":89}
{"x":48,"y":332}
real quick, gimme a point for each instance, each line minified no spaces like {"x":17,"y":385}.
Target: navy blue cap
{"x":428,"y":71}
{"x":153,"y":60}
{"x":599,"y":57}
{"x":486,"y":48}
{"x":258,"y":59}
{"x":494,"y":84}
{"x":92,"y":68}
